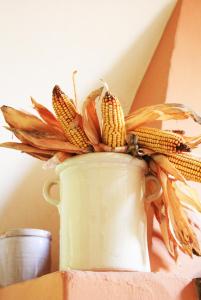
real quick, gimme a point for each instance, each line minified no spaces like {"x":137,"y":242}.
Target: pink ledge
{"x":78,"y":285}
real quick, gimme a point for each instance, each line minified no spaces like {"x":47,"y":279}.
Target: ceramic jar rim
{"x":109,"y":157}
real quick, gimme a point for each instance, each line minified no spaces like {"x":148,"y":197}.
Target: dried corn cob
{"x":113,"y":132}
{"x":66,"y":114}
{"x":160,"y":140}
{"x":188,"y":165}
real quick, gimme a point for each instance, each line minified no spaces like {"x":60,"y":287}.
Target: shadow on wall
{"x":26,"y":206}
{"x":125,"y":76}
{"x":154,"y":85}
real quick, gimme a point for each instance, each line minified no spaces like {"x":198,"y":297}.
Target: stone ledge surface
{"x":79,"y":285}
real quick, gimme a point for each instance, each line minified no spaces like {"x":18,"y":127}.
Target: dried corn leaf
{"x":168,"y":237}
{"x":183,"y":230}
{"x":187,"y":195}
{"x":77,"y":122}
{"x":36,"y":133}
{"x":49,"y":144}
{"x":26,"y":148}
{"x":104,"y":148}
{"x":184,"y":234}
{"x":160,"y":112}
{"x":42,"y":157}
{"x":168,"y":167}
{"x":62,"y":156}
{"x":171,"y":217}
{"x":21,"y":120}
{"x":90,"y":119}
{"x":153,"y":167}
{"x":45,"y":114}
{"x":25,"y":121}
{"x":97,"y":148}
{"x":133,"y":121}
{"x":193,"y":142}
{"x":17,"y":134}
{"x":177,"y":131}
{"x":193,"y":218}
{"x":161,"y":214}
{"x":32,"y":151}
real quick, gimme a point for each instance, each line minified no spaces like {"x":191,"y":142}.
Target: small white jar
{"x":24,"y":254}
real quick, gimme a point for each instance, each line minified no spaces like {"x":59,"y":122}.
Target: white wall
{"x":41,"y":43}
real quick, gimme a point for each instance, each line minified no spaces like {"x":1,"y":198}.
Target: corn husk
{"x":160,"y":112}
{"x":182,"y":230}
{"x":37,"y":139}
{"x":161,"y":214}
{"x":90,"y":118}
{"x":188,"y":196}
{"x":26,"y":148}
{"x":46,"y":115}
{"x":22,"y":120}
{"x":43,"y":157}
{"x":193,"y":142}
{"x":168,"y":167}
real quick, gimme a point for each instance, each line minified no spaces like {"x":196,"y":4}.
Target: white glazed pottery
{"x":24,"y":254}
{"x":102,"y":218}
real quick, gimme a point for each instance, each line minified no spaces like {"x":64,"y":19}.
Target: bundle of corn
{"x":55,"y":138}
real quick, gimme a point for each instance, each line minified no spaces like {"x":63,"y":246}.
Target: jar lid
{"x":26,"y":232}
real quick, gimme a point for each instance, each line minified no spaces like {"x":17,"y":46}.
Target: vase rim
{"x":26,"y":232}
{"x":112,"y":157}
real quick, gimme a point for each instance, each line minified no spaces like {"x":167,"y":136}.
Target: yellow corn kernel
{"x":188,"y":165}
{"x":113,"y":131}
{"x":66,"y":114}
{"x":160,"y":140}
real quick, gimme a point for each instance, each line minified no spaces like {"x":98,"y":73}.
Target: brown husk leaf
{"x":167,"y":166}
{"x":160,"y":112}
{"x":46,"y":115}
{"x":187,"y":195}
{"x":39,"y":141}
{"x":183,"y":231}
{"x":161,"y":213}
{"x":193,"y":142}
{"x":22,"y":120}
{"x":26,"y":148}
{"x":42,"y":157}
{"x":90,"y":119}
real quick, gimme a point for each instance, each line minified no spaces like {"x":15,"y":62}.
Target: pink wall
{"x":174,"y":75}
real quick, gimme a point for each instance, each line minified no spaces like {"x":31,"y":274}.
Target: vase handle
{"x":47,"y":190}
{"x":158,"y":191}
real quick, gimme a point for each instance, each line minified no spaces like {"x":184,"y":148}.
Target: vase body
{"x":24,"y":255}
{"x":103,"y":223}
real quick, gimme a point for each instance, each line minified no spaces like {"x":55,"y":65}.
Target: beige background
{"x":42,"y":42}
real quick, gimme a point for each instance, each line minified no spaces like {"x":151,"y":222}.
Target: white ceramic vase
{"x":103,"y":223}
{"x":24,"y":254}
